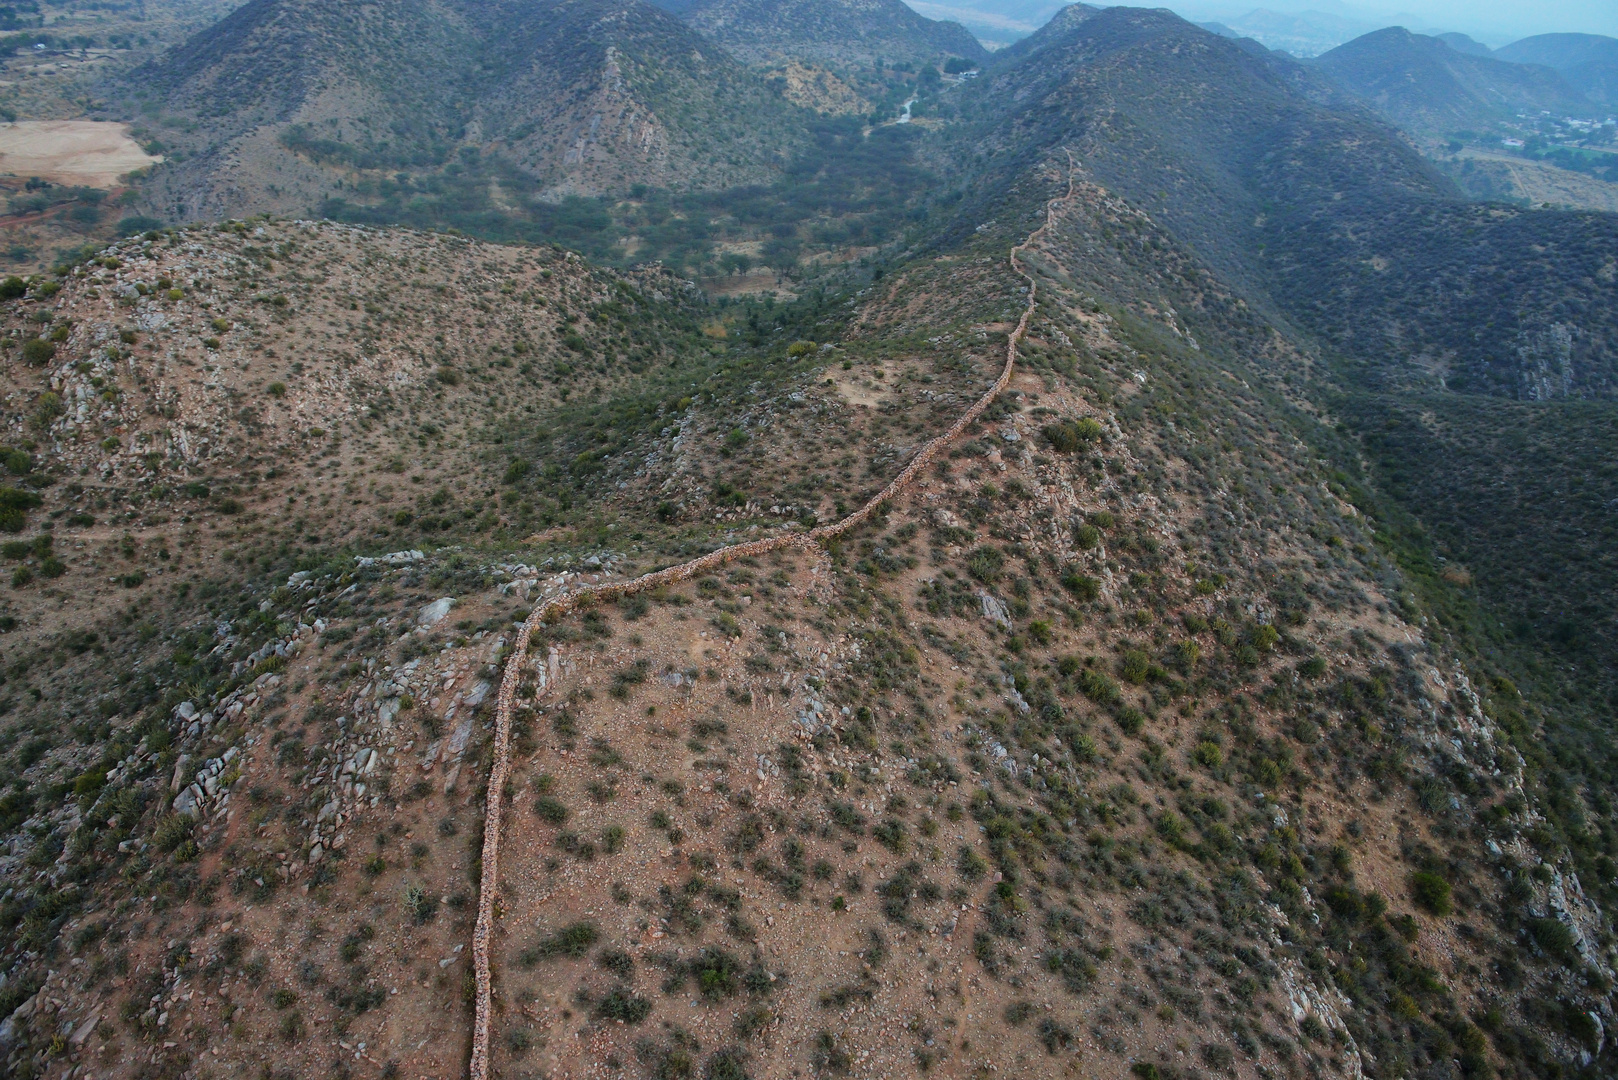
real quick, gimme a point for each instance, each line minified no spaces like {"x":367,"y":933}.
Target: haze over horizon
{"x":1492,"y":22}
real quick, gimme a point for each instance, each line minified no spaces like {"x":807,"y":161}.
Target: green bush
{"x":1081,"y":585}
{"x":573,"y":941}
{"x":728,"y":1064}
{"x":1555,"y":938}
{"x":985,"y":564}
{"x":550,"y":809}
{"x":90,"y":782}
{"x":12,"y":288}
{"x":1431,"y":892}
{"x":1097,"y":687}
{"x":622,"y":1005}
{"x":420,"y":905}
{"x":1130,"y":719}
{"x":1069,"y":435}
{"x":38,"y":352}
{"x":1087,"y":536}
{"x":716,"y":971}
{"x":891,"y":835}
{"x":172,"y":831}
{"x":17,"y":499}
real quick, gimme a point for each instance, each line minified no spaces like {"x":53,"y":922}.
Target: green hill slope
{"x":1589,"y":62}
{"x":287,"y":102}
{"x":1469,"y":349}
{"x":1422,"y":84}
{"x":836,"y":32}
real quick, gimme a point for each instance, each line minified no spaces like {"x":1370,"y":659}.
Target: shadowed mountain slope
{"x":1316,"y":207}
{"x":1429,"y":312}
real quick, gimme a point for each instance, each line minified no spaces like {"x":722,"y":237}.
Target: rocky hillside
{"x":841,"y":33}
{"x":1169,"y":724}
{"x":285,"y":103}
{"x":1116,"y":741}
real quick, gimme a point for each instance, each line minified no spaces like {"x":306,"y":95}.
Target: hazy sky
{"x":1494,"y":22}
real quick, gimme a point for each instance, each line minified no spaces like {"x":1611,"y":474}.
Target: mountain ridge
{"x":1588,"y":61}
{"x":294,"y":101}
{"x":838,"y":32}
{"x":1422,"y":84}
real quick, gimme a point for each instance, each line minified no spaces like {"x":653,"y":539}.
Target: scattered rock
{"x":434,"y":612}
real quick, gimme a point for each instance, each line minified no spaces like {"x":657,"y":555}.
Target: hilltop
{"x":841,"y":33}
{"x":1589,"y":62}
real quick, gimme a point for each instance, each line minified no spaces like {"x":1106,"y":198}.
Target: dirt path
{"x":591,"y":595}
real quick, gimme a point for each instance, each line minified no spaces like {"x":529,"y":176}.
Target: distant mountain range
{"x":994,"y":23}
{"x":1424,"y":84}
{"x":1589,"y":62}
{"x":1305,"y":33}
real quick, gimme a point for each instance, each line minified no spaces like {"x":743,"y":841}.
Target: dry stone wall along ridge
{"x":562,"y":606}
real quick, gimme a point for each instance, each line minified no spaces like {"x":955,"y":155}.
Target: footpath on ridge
{"x":590,"y":595}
